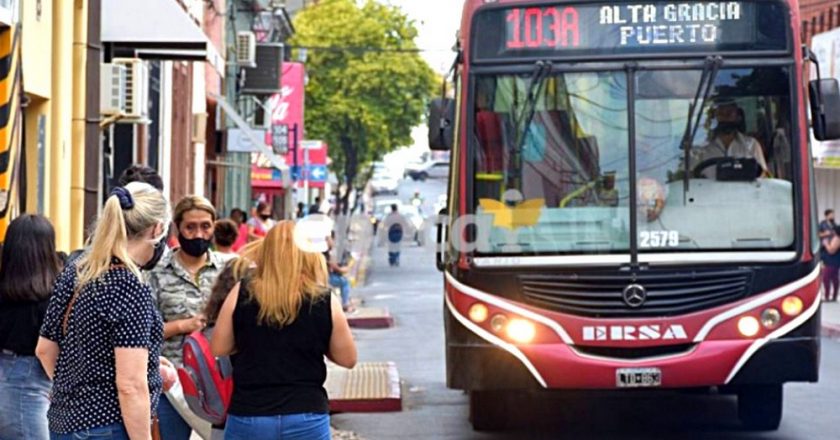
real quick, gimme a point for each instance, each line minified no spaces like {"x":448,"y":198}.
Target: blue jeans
{"x":172,"y":426}
{"x":394,"y":258}
{"x":308,"y":426}
{"x":24,"y":398}
{"x":338,"y":280}
{"x":111,"y":432}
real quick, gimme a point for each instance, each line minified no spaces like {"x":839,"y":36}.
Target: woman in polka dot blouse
{"x":101,"y":337}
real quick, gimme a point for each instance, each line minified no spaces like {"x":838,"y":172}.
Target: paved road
{"x":431,"y":411}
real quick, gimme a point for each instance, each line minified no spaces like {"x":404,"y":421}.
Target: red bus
{"x":631,"y":201}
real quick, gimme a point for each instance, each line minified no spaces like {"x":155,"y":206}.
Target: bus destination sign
{"x":629,"y":28}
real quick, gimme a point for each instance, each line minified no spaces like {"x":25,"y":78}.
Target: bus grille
{"x":635,"y":352}
{"x":668,"y":294}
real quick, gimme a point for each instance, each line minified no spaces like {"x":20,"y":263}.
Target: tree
{"x":368,"y":86}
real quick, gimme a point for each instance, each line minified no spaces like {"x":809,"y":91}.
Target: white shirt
{"x":742,"y":146}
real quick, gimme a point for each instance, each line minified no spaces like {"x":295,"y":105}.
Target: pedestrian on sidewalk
{"x":281,"y":323}
{"x":181,"y":285}
{"x":827,"y":226}
{"x":225,"y":234}
{"x":394,"y":227}
{"x":241,"y":219}
{"x":338,"y":274}
{"x":830,"y":255}
{"x":28,"y":270}
{"x":259,"y":225}
{"x":101,"y":337}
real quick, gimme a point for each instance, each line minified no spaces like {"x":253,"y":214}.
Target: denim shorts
{"x":24,"y":398}
{"x":307,"y":426}
{"x":111,"y":432}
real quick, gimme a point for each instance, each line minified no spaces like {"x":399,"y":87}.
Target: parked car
{"x":433,"y":169}
{"x":384,"y":184}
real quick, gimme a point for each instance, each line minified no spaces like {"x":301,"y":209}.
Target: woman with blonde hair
{"x":102,"y":334}
{"x":281,"y":322}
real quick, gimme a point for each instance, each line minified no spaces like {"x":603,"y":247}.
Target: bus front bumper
{"x":568,"y":352}
{"x":477,"y":365}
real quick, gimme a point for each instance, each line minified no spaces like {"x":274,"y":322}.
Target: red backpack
{"x":207,"y":381}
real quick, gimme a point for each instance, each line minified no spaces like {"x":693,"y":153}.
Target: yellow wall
{"x":37,"y":107}
{"x":37,"y":63}
{"x":55,"y":85}
{"x":77,"y":191}
{"x":37,"y":47}
{"x":61,"y":139}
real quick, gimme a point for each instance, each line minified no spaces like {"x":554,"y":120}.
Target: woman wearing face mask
{"x":259,"y":225}
{"x":101,"y":336}
{"x":181,"y":285}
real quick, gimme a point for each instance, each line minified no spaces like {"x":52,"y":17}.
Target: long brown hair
{"x":284,"y":276}
{"x":30,"y":264}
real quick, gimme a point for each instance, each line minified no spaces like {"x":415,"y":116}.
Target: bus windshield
{"x":553,"y":174}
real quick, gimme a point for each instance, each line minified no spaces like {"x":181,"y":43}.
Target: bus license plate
{"x":638,"y":377}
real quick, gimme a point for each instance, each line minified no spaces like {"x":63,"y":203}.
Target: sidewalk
{"x":831,"y":319}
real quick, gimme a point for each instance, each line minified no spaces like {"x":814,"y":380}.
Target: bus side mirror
{"x":825,"y":108}
{"x":441,"y":124}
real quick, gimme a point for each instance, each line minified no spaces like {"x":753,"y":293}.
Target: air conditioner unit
{"x":246,"y":49}
{"x":277,"y":4}
{"x":112,"y":89}
{"x":265,"y":78}
{"x":136,"y":90}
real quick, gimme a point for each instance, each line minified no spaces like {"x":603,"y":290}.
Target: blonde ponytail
{"x":108,"y":240}
{"x":117,"y":225}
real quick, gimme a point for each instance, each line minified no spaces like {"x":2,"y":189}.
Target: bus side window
{"x":488,"y":127}
{"x":489,"y":131}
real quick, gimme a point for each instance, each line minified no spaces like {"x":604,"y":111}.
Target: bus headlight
{"x":748,"y":326}
{"x":770,"y":318}
{"x":521,"y":331}
{"x":478,"y":313}
{"x":497,"y":323}
{"x":792,"y":306}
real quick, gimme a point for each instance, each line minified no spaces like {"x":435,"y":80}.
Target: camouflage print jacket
{"x":179,"y":296}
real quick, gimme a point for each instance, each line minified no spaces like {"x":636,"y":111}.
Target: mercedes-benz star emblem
{"x":634,"y":295}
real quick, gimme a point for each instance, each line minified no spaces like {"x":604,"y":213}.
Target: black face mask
{"x":195,"y":247}
{"x":265,"y":217}
{"x":728,"y":127}
{"x":160,"y":247}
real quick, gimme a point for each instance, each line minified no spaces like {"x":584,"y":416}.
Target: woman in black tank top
{"x":280,"y":323}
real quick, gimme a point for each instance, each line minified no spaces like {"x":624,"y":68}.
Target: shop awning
{"x":152,"y":29}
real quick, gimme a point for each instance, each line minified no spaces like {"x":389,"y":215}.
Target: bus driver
{"x":729,"y":141}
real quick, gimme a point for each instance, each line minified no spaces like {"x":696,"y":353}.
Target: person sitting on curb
{"x":338,"y":274}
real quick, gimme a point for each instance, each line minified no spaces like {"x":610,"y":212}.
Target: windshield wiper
{"x":701,"y":96}
{"x":542,"y":70}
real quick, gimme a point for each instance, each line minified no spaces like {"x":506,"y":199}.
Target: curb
{"x":359,"y":276}
{"x":831,"y":331}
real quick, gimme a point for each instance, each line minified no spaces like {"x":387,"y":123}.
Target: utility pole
{"x":237,"y":179}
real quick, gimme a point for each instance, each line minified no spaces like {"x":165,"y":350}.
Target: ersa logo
{"x":634,"y":333}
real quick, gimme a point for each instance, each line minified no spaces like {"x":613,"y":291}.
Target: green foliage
{"x":366,"y":89}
